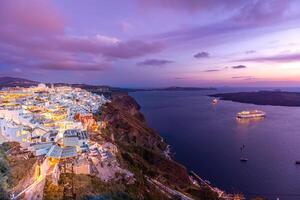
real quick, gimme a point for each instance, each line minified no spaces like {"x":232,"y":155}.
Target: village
{"x":54,"y":124}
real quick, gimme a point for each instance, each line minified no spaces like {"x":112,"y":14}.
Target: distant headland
{"x":274,"y":98}
{"x":21,"y":82}
{"x":174,"y":88}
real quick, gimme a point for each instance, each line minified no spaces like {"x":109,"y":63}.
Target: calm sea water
{"x":207,"y":138}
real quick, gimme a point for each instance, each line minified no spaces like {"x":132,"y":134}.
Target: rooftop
{"x":60,"y":153}
{"x":76,"y":133}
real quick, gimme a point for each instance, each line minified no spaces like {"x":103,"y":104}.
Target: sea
{"x":209,"y":140}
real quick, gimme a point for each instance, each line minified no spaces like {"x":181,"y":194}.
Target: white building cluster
{"x":54,"y":124}
{"x":43,"y":118}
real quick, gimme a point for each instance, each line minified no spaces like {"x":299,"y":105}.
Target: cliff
{"x":142,"y":150}
{"x":127,"y":124}
{"x":16,"y":169}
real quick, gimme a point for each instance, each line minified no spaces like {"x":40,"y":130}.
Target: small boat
{"x":297,"y":162}
{"x":214,"y":101}
{"x":243,"y":159}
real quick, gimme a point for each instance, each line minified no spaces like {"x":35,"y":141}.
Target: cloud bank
{"x":32,"y":35}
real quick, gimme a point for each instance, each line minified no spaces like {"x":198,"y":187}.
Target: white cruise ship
{"x":251,"y":114}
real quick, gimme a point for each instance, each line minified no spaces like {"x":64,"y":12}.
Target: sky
{"x":152,"y":43}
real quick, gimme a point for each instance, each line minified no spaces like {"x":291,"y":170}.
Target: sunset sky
{"x":152,"y":43}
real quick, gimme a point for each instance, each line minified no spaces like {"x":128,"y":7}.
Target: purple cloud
{"x":33,"y":32}
{"x":251,"y":15}
{"x":258,"y":13}
{"x":276,"y":58}
{"x":132,"y":49}
{"x":110,"y":47}
{"x":155,"y":62}
{"x":238,"y":67}
{"x":71,"y":66}
{"x":201,"y":55}
{"x":212,"y":70}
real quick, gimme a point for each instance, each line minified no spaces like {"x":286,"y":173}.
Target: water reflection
{"x":248,"y":121}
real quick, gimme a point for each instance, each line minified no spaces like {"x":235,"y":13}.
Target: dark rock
{"x":275,"y":98}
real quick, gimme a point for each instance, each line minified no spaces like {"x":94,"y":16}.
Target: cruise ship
{"x":251,"y":114}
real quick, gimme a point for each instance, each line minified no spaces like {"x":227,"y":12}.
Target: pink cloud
{"x":32,"y":17}
{"x":32,"y":36}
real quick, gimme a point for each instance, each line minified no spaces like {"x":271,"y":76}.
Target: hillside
{"x":13,"y":82}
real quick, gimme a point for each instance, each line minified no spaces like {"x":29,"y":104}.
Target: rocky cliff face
{"x":139,"y":142}
{"x":142,"y":149}
{"x":16,"y":169}
{"x":127,"y":124}
{"x":126,"y":103}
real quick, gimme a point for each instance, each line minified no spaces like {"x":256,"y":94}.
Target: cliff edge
{"x":142,"y":150}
